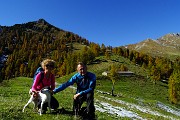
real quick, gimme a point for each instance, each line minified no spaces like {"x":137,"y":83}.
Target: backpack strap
{"x":41,"y":79}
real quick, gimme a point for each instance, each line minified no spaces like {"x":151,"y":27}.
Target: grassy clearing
{"x":78,"y":47}
{"x":141,"y":93}
{"x":133,"y":92}
{"x":14,"y":95}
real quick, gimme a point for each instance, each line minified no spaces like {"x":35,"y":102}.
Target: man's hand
{"x":76,"y":95}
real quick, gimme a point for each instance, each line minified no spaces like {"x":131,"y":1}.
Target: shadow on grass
{"x":63,"y":111}
{"x":82,"y":114}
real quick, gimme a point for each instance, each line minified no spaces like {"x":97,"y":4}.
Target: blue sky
{"x":111,"y":22}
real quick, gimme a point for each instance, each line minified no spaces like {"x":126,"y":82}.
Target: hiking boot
{"x":77,"y":117}
{"x":89,"y":117}
{"x":43,"y":111}
{"x":76,"y":112}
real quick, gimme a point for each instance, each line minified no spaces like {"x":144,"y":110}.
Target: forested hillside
{"x":23,"y":46}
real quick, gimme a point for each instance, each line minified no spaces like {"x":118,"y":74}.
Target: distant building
{"x":121,"y":73}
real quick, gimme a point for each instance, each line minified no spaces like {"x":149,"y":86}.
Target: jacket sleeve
{"x":92,"y":85}
{"x":66,"y":84}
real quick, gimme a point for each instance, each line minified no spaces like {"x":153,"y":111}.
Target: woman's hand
{"x":52,"y":92}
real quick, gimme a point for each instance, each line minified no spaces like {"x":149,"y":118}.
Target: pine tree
{"x":21,"y":70}
{"x":7,"y":72}
{"x":174,"y":87}
{"x":108,"y":56}
{"x":113,"y":77}
{"x":123,"y":68}
{"x":155,"y":74}
{"x":103,"y":49}
{"x":62,"y":70}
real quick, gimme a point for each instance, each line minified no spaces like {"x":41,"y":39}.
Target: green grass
{"x":14,"y":95}
{"x":136,"y":90}
{"x":78,"y":47}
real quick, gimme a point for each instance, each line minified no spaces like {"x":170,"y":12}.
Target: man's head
{"x":81,"y":68}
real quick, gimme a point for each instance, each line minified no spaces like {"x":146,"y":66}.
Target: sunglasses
{"x":51,"y":66}
{"x":81,"y":69}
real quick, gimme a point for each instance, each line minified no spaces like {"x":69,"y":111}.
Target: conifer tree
{"x":131,"y":56}
{"x":113,"y":77}
{"x":103,"y":49}
{"x":7,"y":72}
{"x":95,"y":49}
{"x":174,"y":87}
{"x":21,"y":70}
{"x":155,"y":74}
{"x":107,"y":54}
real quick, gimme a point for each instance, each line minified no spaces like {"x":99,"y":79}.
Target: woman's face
{"x":49,"y":67}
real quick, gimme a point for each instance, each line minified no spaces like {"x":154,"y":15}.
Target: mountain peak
{"x":42,"y":21}
{"x":165,"y":46}
{"x":170,"y":40}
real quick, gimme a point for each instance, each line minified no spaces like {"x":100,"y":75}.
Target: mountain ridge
{"x":26,"y":45}
{"x":166,"y":46}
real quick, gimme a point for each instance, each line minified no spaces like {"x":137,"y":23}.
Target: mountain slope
{"x":166,"y":46}
{"x":26,"y":45}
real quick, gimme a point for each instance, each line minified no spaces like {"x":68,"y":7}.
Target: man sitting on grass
{"x":86,"y":82}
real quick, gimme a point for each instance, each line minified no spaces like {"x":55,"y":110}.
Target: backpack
{"x":39,"y":70}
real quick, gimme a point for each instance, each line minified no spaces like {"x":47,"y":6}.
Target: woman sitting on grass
{"x":46,"y":79}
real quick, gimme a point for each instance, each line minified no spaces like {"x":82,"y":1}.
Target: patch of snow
{"x":102,"y":92}
{"x":123,"y":112}
{"x":168,"y":109}
{"x":134,"y":106}
{"x":138,"y":47}
{"x":106,"y":107}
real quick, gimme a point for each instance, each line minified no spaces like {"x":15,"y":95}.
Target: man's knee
{"x":90,"y":96}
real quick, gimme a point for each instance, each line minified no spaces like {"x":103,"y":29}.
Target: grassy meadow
{"x":132,"y":95}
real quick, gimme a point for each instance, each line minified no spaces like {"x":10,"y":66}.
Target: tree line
{"x":159,"y":69}
{"x":26,"y":49}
